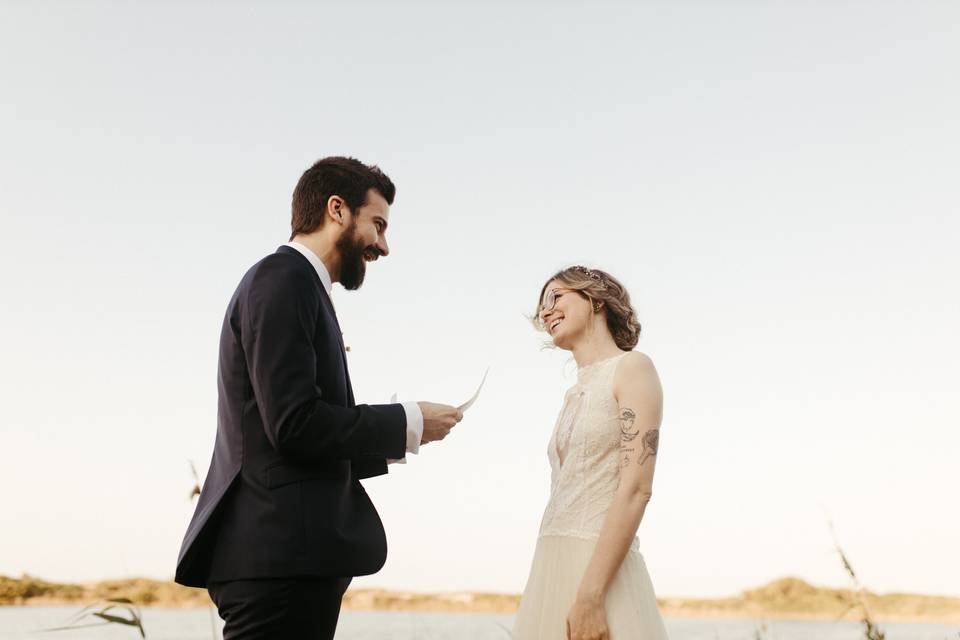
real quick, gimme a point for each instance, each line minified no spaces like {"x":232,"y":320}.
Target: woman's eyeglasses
{"x":550,"y":300}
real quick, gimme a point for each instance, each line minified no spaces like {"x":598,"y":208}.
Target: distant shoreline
{"x":783,"y":599}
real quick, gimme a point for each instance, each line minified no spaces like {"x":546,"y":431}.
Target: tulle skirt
{"x":559,"y":563}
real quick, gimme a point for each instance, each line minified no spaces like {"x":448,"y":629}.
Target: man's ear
{"x":336,"y":208}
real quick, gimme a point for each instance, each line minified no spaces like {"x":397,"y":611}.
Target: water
{"x":23,"y":623}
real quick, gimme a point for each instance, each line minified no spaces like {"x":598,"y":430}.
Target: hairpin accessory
{"x":593,"y":275}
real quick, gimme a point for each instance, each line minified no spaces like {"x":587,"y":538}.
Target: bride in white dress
{"x":588,"y":580}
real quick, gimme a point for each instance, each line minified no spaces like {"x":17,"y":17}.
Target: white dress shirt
{"x":411,"y":409}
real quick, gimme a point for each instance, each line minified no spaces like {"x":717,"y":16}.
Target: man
{"x":282,"y":523}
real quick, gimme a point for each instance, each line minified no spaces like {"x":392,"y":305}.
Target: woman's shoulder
{"x":635,"y":361}
{"x":635,"y":368}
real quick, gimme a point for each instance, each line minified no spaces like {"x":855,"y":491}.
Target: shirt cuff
{"x":414,"y":426}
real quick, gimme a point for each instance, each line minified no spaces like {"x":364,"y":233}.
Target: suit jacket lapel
{"x":328,"y":304}
{"x":343,"y":350}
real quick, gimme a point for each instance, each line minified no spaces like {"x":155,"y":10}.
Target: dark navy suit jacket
{"x":282,"y":496}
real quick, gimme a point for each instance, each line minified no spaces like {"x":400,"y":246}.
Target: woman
{"x":588,"y":580}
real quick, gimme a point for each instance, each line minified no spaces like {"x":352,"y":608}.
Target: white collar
{"x":317,"y":264}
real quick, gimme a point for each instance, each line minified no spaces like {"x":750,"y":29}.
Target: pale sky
{"x":775,"y":183}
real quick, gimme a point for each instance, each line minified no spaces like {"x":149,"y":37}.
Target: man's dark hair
{"x":335,"y":176}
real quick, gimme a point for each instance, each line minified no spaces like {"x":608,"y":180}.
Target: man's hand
{"x":438,"y":420}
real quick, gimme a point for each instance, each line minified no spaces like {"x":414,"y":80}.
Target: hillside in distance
{"x":782,"y":598}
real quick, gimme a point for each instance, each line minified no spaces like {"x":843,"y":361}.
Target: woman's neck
{"x":595,"y":345}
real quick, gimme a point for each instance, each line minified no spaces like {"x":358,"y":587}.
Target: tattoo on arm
{"x":628,"y":433}
{"x":651,"y":442}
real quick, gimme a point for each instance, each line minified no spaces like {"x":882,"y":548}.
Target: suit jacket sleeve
{"x":278,"y":323}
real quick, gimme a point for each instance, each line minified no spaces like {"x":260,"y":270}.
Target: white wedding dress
{"x":583,"y":454}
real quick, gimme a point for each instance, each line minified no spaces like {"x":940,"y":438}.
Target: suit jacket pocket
{"x":282,"y":473}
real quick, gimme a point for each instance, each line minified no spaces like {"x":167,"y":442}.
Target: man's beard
{"x":353,"y":267}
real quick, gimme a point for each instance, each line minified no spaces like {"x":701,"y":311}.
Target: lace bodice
{"x":583,"y":454}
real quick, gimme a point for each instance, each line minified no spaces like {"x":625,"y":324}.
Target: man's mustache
{"x":374,"y":252}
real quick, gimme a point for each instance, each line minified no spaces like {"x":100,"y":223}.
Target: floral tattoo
{"x":651,"y":442}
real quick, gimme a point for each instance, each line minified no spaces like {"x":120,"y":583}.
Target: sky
{"x":775,"y":183}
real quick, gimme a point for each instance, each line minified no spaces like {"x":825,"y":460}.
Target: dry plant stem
{"x":195,"y":491}
{"x":871,"y":630}
{"x":135,"y":619}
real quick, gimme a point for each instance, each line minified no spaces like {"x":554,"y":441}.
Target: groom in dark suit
{"x":283,"y":523}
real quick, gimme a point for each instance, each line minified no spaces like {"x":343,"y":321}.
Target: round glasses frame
{"x":550,"y":299}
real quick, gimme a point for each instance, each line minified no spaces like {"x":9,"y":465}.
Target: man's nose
{"x":382,"y":246}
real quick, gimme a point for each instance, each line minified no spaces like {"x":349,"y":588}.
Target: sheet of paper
{"x":469,"y":403}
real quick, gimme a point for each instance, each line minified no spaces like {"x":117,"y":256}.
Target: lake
{"x":23,"y":623}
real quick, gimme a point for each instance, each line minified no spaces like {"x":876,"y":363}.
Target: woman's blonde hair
{"x":599,"y":287}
